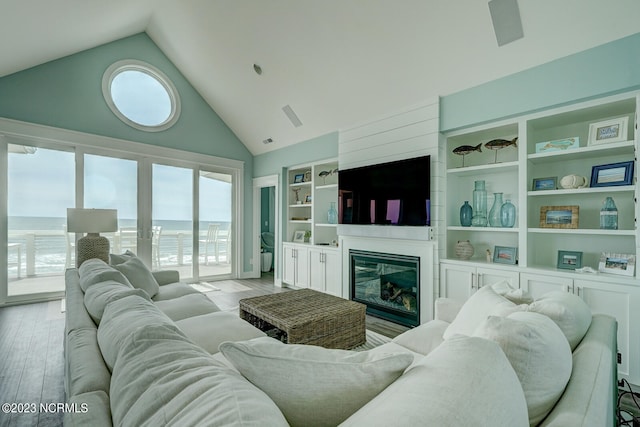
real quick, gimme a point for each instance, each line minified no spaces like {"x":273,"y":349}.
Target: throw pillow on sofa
{"x":116,"y":259}
{"x":516,"y":296}
{"x":139,"y":275}
{"x":569,"y":311}
{"x":123,"y":317}
{"x":161,"y":378}
{"x":99,"y":295}
{"x":484,"y":303}
{"x":466,"y":381}
{"x":314,"y":386}
{"x":538,"y":352}
{"x":94,"y":271}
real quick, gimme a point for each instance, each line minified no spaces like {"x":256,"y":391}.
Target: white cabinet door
{"x":457,"y":281}
{"x":539,"y":284}
{"x":620,"y":302}
{"x":288,"y":265}
{"x":316,"y":269}
{"x":302,"y":267}
{"x":333,"y":272}
{"x":295,"y":265}
{"x":489,"y":276}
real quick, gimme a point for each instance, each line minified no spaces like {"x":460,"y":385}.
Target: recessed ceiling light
{"x":257,"y":69}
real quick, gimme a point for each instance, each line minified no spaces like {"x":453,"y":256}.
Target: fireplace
{"x":388,"y":284}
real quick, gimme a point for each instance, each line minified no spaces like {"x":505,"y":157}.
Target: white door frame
{"x":258,"y":185}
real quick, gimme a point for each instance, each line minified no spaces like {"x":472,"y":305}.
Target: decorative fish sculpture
{"x":324,"y":175}
{"x":463,"y":150}
{"x":497,"y":144}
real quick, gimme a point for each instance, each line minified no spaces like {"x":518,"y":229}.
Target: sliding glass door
{"x":41,"y":186}
{"x":174,"y":214}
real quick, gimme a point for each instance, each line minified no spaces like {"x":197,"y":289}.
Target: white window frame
{"x":143,"y":67}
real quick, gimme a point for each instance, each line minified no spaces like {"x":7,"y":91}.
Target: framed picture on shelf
{"x":504,"y":255}
{"x":307,"y":176}
{"x":559,"y":216}
{"x":612,"y":175}
{"x":613,"y":130}
{"x":298,"y":236}
{"x":558,"y":145}
{"x":539,"y":184}
{"x":298,"y":178}
{"x":623,"y":264}
{"x":307,"y":198}
{"x":569,"y":260}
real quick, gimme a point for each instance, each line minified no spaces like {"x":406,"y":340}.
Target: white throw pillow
{"x":115,"y":259}
{"x":139,"y":275}
{"x":99,"y":295}
{"x":569,"y":311}
{"x":123,"y":317}
{"x":484,"y":303}
{"x":466,"y":381}
{"x":516,"y":296}
{"x":94,"y":271}
{"x":161,"y":378}
{"x":538,"y":352}
{"x":314,"y":386}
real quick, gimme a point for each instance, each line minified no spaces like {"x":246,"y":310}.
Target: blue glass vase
{"x":609,"y":215}
{"x":479,"y":205}
{"x":466,"y":213}
{"x":332,"y":214}
{"x":494,"y":214}
{"x":508,"y":214}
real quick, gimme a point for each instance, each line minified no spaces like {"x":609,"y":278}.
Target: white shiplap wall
{"x":411,"y":132}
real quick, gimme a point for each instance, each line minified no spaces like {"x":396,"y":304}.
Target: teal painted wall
{"x":67,"y":93}
{"x":320,"y":148}
{"x":604,"y":70}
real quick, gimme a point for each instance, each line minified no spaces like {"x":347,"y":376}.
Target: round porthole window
{"x":141,"y":95}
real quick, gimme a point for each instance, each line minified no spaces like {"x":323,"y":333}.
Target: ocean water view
{"x":45,"y":241}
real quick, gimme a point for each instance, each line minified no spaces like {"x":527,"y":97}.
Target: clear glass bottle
{"x":495,"y":219}
{"x":508,"y":214}
{"x":609,"y":215}
{"x":466,"y":214}
{"x":479,"y":205}
{"x":332,"y":214}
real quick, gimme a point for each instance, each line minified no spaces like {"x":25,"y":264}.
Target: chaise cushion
{"x":484,"y":303}
{"x":99,"y":295}
{"x":187,"y":306}
{"x":314,"y":386}
{"x":569,"y":311}
{"x":538,"y":352}
{"x":161,"y":378}
{"x":210,"y":330}
{"x":424,"y":338}
{"x":139,"y":275}
{"x":173,"y":290}
{"x":94,"y":271}
{"x":466,"y":381}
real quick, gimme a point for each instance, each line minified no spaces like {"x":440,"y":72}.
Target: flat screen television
{"x":394,"y":193}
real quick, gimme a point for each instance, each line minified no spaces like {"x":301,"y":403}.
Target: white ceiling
{"x":335,"y":62}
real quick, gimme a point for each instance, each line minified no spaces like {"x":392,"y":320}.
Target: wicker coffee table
{"x":306,"y":316}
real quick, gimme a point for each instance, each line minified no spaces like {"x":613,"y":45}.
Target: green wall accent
{"x":604,"y":70}
{"x":67,"y":93}
{"x":309,"y":151}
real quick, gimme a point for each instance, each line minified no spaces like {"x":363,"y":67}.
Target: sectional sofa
{"x":142,"y":348}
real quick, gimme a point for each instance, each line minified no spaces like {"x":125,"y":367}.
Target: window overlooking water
{"x":141,"y":95}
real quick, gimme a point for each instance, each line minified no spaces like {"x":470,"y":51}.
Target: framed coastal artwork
{"x":608,"y":131}
{"x":612,"y":175}
{"x":559,"y":216}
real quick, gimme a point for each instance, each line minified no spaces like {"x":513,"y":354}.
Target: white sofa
{"x":135,"y":360}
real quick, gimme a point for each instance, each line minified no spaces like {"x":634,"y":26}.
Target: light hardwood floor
{"x":31,"y":348}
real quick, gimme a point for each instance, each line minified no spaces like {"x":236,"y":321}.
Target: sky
{"x":43,"y":185}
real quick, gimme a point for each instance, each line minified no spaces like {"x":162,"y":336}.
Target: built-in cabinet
{"x":312,"y":232}
{"x":550,"y":145}
{"x":295,"y":265}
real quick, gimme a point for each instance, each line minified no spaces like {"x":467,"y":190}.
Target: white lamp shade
{"x":92,"y":220}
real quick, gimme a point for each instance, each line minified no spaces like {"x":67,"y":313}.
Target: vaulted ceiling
{"x":334,"y":62}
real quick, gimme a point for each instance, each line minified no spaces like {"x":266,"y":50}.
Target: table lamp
{"x":92,"y":222}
